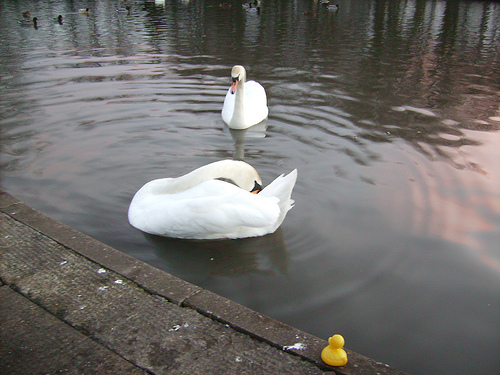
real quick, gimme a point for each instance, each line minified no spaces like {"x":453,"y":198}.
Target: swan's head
{"x":238,"y":74}
{"x":242,"y":174}
{"x":236,"y":172}
{"x":257,"y":187}
{"x":255,"y":183}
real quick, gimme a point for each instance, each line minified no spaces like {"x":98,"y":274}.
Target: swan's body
{"x":245,"y":103}
{"x":204,"y":205}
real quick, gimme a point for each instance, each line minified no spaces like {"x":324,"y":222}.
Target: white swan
{"x":245,"y":103}
{"x":213,"y":201}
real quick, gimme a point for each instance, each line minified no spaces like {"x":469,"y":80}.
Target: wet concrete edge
{"x":185,"y":294}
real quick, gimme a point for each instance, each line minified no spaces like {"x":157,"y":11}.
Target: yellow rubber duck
{"x":333,"y":354}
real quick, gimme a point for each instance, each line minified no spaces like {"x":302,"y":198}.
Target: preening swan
{"x":245,"y":103}
{"x":213,"y":201}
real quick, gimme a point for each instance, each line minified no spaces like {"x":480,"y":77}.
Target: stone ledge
{"x":184,"y":294}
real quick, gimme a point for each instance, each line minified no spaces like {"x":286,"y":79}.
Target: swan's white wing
{"x":213,"y":209}
{"x":282,"y":188}
{"x":255,"y":95}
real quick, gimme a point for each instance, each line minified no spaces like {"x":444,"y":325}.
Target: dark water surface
{"x":390,"y":111}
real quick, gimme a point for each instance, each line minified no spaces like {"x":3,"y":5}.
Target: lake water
{"x":390,"y":111}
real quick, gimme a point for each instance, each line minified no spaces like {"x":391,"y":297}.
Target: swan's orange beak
{"x":234,"y":86}
{"x":257,"y":188}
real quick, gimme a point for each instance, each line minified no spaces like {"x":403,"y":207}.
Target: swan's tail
{"x":282,"y":188}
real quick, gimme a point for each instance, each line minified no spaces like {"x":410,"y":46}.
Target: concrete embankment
{"x":71,"y":304}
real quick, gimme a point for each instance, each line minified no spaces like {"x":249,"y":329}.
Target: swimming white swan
{"x":245,"y":103}
{"x":213,"y":201}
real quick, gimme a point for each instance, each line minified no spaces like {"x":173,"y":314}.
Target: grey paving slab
{"x":34,"y":341}
{"x":156,"y":281}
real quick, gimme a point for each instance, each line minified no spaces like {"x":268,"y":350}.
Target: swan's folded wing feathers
{"x":225,"y":214}
{"x":256,"y":92}
{"x":209,"y":209}
{"x":281,"y":186}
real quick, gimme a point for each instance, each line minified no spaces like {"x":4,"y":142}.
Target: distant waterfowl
{"x":245,"y":103}
{"x":33,"y":22}
{"x":327,"y":5}
{"x":127,"y":9}
{"x":59,"y":19}
{"x":84,"y":11}
{"x":214,"y":201}
{"x":27,"y":15}
{"x":252,"y":6}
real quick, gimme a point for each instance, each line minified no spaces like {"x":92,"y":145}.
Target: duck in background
{"x":253,"y":6}
{"x":327,"y":5}
{"x":127,"y":9}
{"x":28,"y":23}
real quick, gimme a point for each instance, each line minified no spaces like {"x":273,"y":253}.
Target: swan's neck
{"x":174,"y":185}
{"x":239,"y":104}
{"x":242,"y":174}
{"x":180,"y":184}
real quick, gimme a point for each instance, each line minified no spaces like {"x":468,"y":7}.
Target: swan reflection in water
{"x":190,"y":259}
{"x":239,"y":135}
